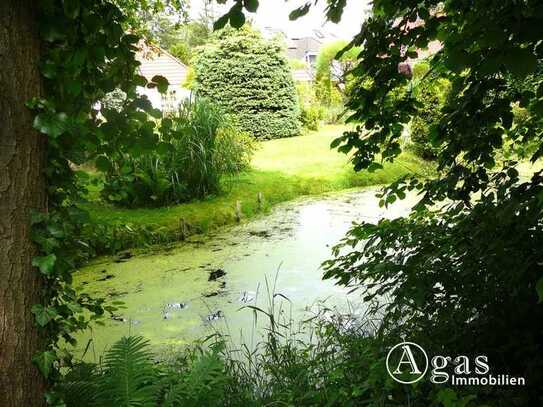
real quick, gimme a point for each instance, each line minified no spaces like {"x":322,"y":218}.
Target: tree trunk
{"x":22,"y":189}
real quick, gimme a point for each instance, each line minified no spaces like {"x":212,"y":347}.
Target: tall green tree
{"x":250,"y":78}
{"x":332,"y":72}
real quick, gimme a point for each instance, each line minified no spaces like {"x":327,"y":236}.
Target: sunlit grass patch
{"x":282,"y":170}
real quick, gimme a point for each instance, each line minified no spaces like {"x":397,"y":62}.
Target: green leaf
{"x":251,"y":5}
{"x":336,"y":142}
{"x":520,"y":62}
{"x":166,"y":124}
{"x":45,"y":263}
{"x":38,"y":217}
{"x":55,"y":231}
{"x":50,"y":32}
{"x":131,"y":38}
{"x":44,"y":361}
{"x":48,"y":69}
{"x":457,"y":60}
{"x":160,"y":82}
{"x":73,"y":87}
{"x":221,"y":22}
{"x":299,"y":12}
{"x":140,"y":80}
{"x":51,"y":124}
{"x":447,"y":397}
{"x":164,"y":148}
{"x":374,"y":167}
{"x":237,"y":18}
{"x":43,"y":315}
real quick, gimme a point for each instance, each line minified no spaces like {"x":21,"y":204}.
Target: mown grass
{"x":281,"y":171}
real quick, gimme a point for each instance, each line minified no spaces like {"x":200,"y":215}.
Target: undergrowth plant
{"x":197,"y":146}
{"x":333,"y":358}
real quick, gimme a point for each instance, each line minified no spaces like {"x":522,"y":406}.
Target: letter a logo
{"x":408,"y":359}
{"x":405,"y":358}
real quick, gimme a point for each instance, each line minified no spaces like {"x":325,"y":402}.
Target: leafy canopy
{"x":463,"y":273}
{"x":89,"y":51}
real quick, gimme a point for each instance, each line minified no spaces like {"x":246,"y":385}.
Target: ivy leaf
{"x":251,"y":5}
{"x":44,"y":361}
{"x":51,"y":124}
{"x":43,"y":315}
{"x":45,"y":263}
{"x":160,"y":82}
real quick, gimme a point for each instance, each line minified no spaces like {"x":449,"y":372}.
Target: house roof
{"x":157,"y":61}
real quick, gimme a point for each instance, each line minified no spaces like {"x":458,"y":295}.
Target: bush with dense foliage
{"x":312,"y":113}
{"x":129,"y":377}
{"x":198,"y":146}
{"x":430,"y":93}
{"x":251,"y":79}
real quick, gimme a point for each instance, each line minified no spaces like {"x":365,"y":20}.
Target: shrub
{"x":200,"y":147}
{"x":311,"y":117}
{"x":129,"y":377}
{"x":333,"y":360}
{"x":431,"y":95}
{"x":311,"y":111}
{"x":251,"y":79}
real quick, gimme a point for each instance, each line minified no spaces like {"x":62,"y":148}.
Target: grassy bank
{"x":282,"y":170}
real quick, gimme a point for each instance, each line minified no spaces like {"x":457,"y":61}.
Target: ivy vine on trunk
{"x":59,"y":58}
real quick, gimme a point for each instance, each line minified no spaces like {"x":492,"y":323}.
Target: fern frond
{"x":129,"y":379}
{"x":79,"y":387}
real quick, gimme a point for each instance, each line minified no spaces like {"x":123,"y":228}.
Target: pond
{"x":188,"y":291}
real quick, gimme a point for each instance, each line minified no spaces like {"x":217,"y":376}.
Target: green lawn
{"x":282,"y":170}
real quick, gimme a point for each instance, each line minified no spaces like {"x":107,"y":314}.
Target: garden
{"x":204,"y":210}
